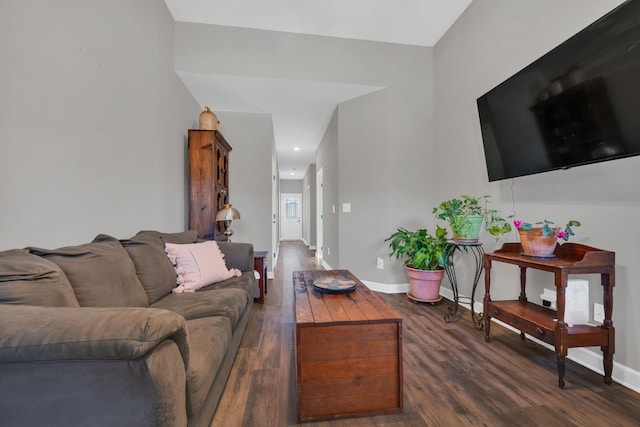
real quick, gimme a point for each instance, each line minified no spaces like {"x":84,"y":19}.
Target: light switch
{"x":346,"y":207}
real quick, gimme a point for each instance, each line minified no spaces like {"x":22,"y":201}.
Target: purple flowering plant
{"x":548,"y":227}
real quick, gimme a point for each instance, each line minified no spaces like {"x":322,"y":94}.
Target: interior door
{"x":291,"y":216}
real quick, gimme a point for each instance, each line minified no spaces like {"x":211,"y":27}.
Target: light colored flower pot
{"x":471,"y":230}
{"x":425,"y":284}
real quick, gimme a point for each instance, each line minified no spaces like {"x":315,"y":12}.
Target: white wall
{"x":489,"y":43}
{"x":93,"y":121}
{"x":365,"y":180}
{"x":291,"y":186}
{"x":251,"y":138}
{"x":327,"y":161}
{"x":309,"y":203}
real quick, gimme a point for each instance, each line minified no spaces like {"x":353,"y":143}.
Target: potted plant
{"x":425,"y":259}
{"x":540,"y":239}
{"x":466,"y":214}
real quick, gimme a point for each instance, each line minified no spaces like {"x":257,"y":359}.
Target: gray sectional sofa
{"x":91,"y":335}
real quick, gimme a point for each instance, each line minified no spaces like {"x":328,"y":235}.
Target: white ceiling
{"x":301,"y":110}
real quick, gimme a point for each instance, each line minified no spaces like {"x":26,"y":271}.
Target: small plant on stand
{"x":466,"y":214}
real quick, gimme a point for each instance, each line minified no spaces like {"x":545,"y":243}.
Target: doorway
{"x":290,"y":216}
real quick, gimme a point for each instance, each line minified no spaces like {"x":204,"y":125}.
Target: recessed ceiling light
{"x":292,"y":173}
{"x":296,"y":148}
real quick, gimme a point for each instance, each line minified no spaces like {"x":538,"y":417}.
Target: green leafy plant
{"x":456,"y":211}
{"x":420,"y":249}
{"x":549,"y":226}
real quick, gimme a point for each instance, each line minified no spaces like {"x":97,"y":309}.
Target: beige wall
{"x":489,"y":43}
{"x":93,"y":122}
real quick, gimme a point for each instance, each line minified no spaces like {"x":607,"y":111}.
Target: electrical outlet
{"x":380,"y":263}
{"x":598,"y":312}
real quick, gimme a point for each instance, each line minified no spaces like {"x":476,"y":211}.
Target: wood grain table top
{"x":313,"y":308}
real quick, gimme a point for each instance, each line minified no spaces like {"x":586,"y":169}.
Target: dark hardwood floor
{"x":451,"y":376}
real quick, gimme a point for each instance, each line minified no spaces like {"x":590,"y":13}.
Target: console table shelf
{"x":548,"y":325}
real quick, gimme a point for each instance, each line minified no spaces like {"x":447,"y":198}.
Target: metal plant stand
{"x":478,"y":252}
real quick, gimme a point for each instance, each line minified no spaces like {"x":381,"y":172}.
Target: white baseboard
{"x":312,"y":247}
{"x":399,"y":288}
{"x":590,"y":359}
{"x":326,"y":266}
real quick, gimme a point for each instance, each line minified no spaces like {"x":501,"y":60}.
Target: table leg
{"x":561,"y":369}
{"x":608,"y":281}
{"x":266,"y":279}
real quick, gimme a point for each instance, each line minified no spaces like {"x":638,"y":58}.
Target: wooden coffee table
{"x":348,"y":351}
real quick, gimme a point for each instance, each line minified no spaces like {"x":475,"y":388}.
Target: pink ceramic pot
{"x":425,"y":284}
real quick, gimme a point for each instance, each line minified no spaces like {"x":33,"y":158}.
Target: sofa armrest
{"x":32,"y":333}
{"x":237,"y":255}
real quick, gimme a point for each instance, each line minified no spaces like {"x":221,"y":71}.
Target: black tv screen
{"x":578,"y":104}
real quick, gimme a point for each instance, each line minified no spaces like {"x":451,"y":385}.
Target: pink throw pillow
{"x":198,"y":265}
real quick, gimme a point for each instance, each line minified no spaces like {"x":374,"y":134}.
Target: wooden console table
{"x":348,"y":351}
{"x":546,"y":324}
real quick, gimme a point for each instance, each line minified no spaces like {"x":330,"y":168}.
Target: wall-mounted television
{"x":578,"y":104}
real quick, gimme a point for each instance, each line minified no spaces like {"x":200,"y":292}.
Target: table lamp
{"x":227,"y":214}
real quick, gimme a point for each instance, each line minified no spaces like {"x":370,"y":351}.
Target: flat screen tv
{"x":578,"y":104}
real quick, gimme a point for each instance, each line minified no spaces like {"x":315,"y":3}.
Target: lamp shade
{"x":227,"y":213}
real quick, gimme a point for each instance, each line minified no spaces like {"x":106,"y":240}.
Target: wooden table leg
{"x":561,"y":370}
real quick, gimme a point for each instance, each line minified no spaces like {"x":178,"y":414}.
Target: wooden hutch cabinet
{"x":208,"y":181}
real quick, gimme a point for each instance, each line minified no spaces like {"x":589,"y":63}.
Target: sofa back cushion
{"x":29,"y":279}
{"x":189,"y":236}
{"x":154,"y":270}
{"x":101,"y":273}
{"x":238,"y":255}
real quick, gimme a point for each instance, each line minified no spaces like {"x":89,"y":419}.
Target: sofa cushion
{"x":209,"y":340}
{"x":28,"y":279}
{"x":87,"y":333}
{"x":198,"y":265}
{"x":153,"y":268}
{"x":237,"y":255}
{"x":229,"y":303}
{"x":246,"y":281}
{"x":183,"y":237}
{"x":101,"y":273}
